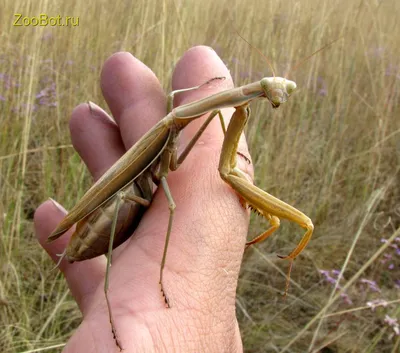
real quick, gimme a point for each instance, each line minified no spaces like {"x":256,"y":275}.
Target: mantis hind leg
{"x":106,"y":281}
{"x":120,"y":197}
{"x":260,"y":201}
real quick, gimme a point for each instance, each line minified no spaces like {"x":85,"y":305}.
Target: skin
{"x":208,"y":234}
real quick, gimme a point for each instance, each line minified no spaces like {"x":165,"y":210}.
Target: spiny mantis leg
{"x":267,"y":205}
{"x":177,"y":161}
{"x":106,"y":281}
{"x":120,"y":196}
{"x":170,"y":160}
{"x":171,"y":206}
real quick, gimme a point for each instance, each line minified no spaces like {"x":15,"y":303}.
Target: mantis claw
{"x":260,"y":201}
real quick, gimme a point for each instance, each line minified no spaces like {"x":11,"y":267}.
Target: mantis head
{"x":277,"y":89}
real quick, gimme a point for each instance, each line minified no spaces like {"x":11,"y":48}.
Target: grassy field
{"x":333,"y":151}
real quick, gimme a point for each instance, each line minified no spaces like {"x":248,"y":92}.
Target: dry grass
{"x":333,"y":151}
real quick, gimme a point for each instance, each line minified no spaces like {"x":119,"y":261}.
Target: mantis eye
{"x":290,"y":87}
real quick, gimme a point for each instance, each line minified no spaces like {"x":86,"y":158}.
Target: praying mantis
{"x":128,"y":183}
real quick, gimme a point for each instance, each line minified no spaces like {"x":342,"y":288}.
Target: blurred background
{"x":333,"y":151}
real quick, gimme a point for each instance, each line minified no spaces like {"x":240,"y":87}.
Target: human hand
{"x":208,"y":231}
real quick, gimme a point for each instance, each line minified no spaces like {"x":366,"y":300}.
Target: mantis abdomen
{"x":92,"y":235}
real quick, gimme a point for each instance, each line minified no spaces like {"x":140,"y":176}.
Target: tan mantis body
{"x":155,"y":154}
{"x":92,"y":235}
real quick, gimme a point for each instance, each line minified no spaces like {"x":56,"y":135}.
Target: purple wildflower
{"x":377,"y":52}
{"x":392,"y":323}
{"x":322,"y":87}
{"x":392,"y":70}
{"x":371,"y":284}
{"x":47,"y":96}
{"x":346,"y":298}
{"x":47,"y":35}
{"x":328,"y":276}
{"x":244,"y":74}
{"x":332,"y":277}
{"x":373,"y":304}
{"x":218,"y":49}
{"x":7,"y":80}
{"x":386,"y":258}
{"x":22,"y":108}
{"x":42,"y":93}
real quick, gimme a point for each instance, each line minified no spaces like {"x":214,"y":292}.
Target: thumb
{"x":83,"y":278}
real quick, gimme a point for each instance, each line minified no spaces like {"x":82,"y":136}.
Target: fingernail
{"x":58,"y":206}
{"x":98,"y":112}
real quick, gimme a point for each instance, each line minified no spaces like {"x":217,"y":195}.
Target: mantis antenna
{"x":302,"y":61}
{"x":298,"y":64}
{"x":258,"y":50}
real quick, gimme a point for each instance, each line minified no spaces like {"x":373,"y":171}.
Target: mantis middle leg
{"x":170,"y":161}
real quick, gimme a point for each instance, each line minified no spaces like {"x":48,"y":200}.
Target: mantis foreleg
{"x":267,"y":205}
